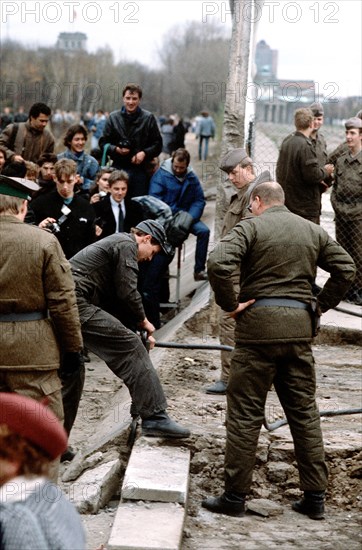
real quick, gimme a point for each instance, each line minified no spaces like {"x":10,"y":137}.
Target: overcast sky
{"x":317,"y":40}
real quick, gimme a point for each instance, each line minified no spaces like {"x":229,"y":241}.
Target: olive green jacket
{"x":278,"y":254}
{"x":346,"y":197}
{"x":299,"y":173}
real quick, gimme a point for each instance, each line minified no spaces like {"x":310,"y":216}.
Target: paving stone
{"x":151,"y":526}
{"x":157,"y":472}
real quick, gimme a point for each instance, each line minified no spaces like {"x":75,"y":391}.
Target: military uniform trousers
{"x":226,"y":334}
{"x":254,"y":368}
{"x":123,"y":352}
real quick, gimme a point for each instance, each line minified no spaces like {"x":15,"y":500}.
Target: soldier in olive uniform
{"x":239,"y":168}
{"x":346,"y":200}
{"x":342,"y":148}
{"x":299,"y":171}
{"x":279,"y":253}
{"x":38,"y":309}
{"x":316,"y":137}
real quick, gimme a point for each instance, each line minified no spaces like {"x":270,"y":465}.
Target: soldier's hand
{"x":243,"y":305}
{"x":71,"y":364}
{"x":329,"y":168}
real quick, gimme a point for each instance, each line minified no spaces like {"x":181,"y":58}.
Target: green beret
{"x":17,"y":187}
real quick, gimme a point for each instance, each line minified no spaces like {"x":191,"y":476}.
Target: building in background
{"x":72,"y":41}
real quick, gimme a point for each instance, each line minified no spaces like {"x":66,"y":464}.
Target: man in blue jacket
{"x":176,"y":184}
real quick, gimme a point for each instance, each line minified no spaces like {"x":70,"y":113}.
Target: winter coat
{"x":106,"y":276}
{"x":139,"y":129}
{"x":184,"y":195}
{"x":299,"y":173}
{"x":35,"y":277}
{"x":346,"y":197}
{"x":278,"y":254}
{"x":30,"y":143}
{"x":77,"y":231}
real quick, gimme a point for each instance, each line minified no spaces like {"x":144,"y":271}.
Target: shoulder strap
{"x":104,"y":156}
{"x":13,"y":135}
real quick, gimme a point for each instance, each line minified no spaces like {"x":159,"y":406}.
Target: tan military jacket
{"x":35,"y":277}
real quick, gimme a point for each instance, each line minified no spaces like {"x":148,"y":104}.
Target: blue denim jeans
{"x":205,"y":140}
{"x":202,"y":233}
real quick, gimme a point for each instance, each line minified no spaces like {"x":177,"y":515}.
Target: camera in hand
{"x":125,"y":144}
{"x":55,"y":227}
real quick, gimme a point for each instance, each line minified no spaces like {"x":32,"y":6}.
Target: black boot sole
{"x":155,"y":433}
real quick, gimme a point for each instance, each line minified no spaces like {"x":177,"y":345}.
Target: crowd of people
{"x":83,"y":263}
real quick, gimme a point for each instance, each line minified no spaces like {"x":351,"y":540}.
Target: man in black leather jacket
{"x":132,"y":138}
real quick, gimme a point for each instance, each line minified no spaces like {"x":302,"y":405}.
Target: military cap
{"x":233,"y":158}
{"x":353,"y":122}
{"x":157,"y":231}
{"x":33,"y":421}
{"x":264,"y":177}
{"x":359,"y":114}
{"x":17,"y":187}
{"x":317,"y":109}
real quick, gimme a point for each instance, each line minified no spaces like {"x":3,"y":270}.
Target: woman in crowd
{"x":87,"y":166}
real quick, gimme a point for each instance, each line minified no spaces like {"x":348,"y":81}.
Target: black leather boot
{"x":161,"y":425}
{"x":229,"y":503}
{"x":311,"y":505}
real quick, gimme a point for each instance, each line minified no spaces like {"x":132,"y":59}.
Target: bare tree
{"x":235,"y":95}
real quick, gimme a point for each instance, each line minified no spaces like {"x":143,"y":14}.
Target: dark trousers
{"x":72,"y":388}
{"x":150,"y":282}
{"x":123,"y":352}
{"x":290,"y":367}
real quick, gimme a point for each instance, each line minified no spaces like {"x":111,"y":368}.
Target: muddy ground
{"x":185,"y":374}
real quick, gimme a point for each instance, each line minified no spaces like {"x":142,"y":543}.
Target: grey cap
{"x":359,"y":114}
{"x":157,"y":231}
{"x":17,"y":187}
{"x":353,"y":122}
{"x":317,"y":109}
{"x":233,"y":158}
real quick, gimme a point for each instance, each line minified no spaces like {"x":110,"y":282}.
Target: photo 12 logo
{"x":253,"y":11}
{"x":53,"y":12}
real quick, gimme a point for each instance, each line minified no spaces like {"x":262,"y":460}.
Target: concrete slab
{"x":147,"y":527}
{"x":157,"y":472}
{"x":95,"y":487}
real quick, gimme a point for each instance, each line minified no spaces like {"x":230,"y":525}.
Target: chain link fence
{"x":344,"y":224}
